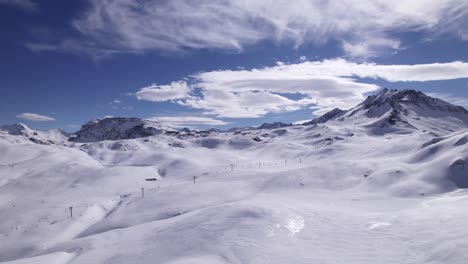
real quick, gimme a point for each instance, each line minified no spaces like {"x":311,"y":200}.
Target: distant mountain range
{"x":400,"y":111}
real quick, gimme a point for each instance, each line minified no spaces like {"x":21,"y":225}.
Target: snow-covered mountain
{"x":115,"y":128}
{"x":24,"y":133}
{"x":273,"y":125}
{"x":401,"y":111}
{"x":383,"y":182}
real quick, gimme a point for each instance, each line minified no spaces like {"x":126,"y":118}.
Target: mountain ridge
{"x":387,"y":111}
{"x":401,"y":109}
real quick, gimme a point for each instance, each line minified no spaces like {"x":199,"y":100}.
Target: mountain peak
{"x":17,"y":129}
{"x":115,"y":128}
{"x":407,"y":109}
{"x":44,"y":137}
{"x":401,"y":99}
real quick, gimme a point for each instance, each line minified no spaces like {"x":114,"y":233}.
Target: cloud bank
{"x":365,"y":29}
{"x":318,"y":85}
{"x":35,"y":117}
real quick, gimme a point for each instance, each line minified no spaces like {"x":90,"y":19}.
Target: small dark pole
{"x":195,"y":178}
{"x":71,"y":211}
{"x":232,"y":167}
{"x":142,"y":192}
{"x":285,"y":163}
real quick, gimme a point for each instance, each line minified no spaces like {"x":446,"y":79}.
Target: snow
{"x":327,"y":193}
{"x":54,"y":258}
{"x":52,"y":136}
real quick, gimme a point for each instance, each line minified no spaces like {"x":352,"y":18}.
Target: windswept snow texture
{"x":385,"y":182}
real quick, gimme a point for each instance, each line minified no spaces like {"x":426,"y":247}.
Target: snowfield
{"x":380,"y":183}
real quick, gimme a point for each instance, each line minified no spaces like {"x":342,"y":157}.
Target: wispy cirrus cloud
{"x":26,"y":5}
{"x":184,"y":121}
{"x":365,"y":30}
{"x":35,"y":117}
{"x":318,"y":85}
{"x":391,"y":73}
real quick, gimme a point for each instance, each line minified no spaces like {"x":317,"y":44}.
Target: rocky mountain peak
{"x":116,"y":128}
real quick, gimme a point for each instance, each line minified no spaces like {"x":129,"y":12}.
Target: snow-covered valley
{"x":383,"y":182}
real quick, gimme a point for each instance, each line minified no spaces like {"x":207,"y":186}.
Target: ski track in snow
{"x":92,"y":215}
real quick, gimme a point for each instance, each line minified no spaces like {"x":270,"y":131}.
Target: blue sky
{"x":221,"y":64}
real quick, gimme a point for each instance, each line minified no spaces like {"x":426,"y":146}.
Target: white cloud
{"x":366,"y":28}
{"x":243,"y":104}
{"x":300,"y":122}
{"x":257,"y":92}
{"x":370,"y":47}
{"x":392,"y":73}
{"x":159,"y":93}
{"x":35,"y":117}
{"x":26,"y":5}
{"x":116,"y":101}
{"x":408,"y":73}
{"x":318,"y":85}
{"x":183,"y":121}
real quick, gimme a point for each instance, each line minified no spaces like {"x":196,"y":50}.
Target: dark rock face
{"x":273,"y":125}
{"x":42,"y":142}
{"x":258,"y":139}
{"x":114,"y":129}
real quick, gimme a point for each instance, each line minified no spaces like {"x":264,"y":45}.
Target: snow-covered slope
{"x":332,"y":192}
{"x":446,"y":155}
{"x":402,"y":111}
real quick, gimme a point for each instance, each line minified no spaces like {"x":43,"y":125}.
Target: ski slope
{"x":336,"y":192}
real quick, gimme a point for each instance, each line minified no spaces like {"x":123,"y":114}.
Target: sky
{"x":210,"y":63}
